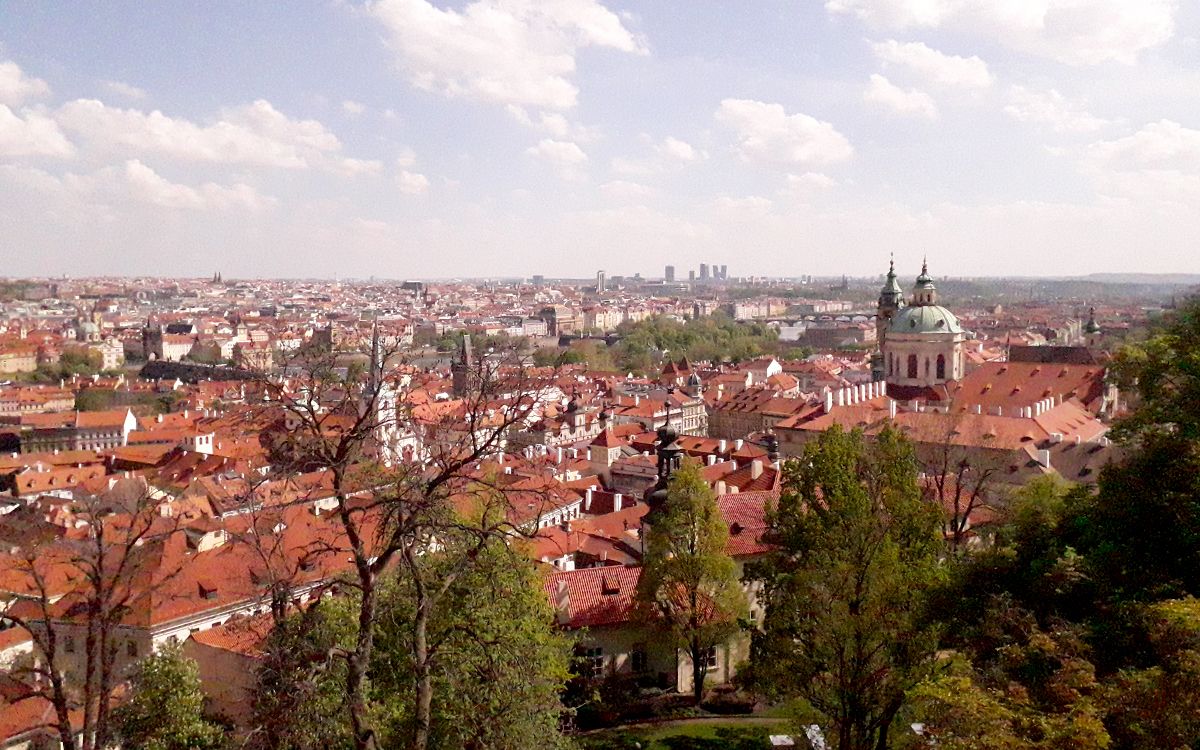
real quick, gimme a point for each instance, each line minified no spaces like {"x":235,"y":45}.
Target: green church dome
{"x":925,"y":319}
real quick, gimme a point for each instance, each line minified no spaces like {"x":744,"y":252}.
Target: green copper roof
{"x":925,"y":319}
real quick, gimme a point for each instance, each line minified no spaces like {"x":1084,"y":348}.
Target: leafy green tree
{"x":1159,"y":706}
{"x":1164,"y":370}
{"x":689,"y":586}
{"x":845,"y":629}
{"x":95,"y":399}
{"x":962,"y":715}
{"x":499,"y":666}
{"x":165,"y":706}
{"x":1142,"y":533}
{"x":299,"y":703}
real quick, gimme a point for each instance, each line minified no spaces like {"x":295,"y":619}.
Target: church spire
{"x":924,"y":291}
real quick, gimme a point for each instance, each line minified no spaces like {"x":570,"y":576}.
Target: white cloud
{"x":147,"y":185}
{"x":255,"y":134}
{"x":31,"y":134}
{"x":1077,"y":32}
{"x":125,"y":90}
{"x":634,"y":167}
{"x":1163,"y":145}
{"x":406,"y":158}
{"x":810,"y":181}
{"x":1158,"y":165}
{"x":934,"y":66}
{"x":16,"y":87}
{"x":746,"y":206}
{"x":412,"y":183}
{"x":503,"y":51}
{"x":1051,"y":108}
{"x":680,"y":150}
{"x":353,"y":108}
{"x":766,"y":133}
{"x":905,"y":102}
{"x":625,"y":190}
{"x":566,"y":157}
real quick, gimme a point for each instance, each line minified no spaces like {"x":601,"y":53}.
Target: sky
{"x":475,"y":138}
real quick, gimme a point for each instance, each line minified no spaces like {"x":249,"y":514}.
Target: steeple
{"x":891,"y":300}
{"x":924,"y":292}
{"x":376,"y":366}
{"x":891,"y":296}
{"x":1091,"y":328}
{"x":461,"y":369}
{"x":670,"y":454}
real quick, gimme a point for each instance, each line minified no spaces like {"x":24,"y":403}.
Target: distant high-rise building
{"x":724,"y":272}
{"x":599,"y":282}
{"x":692,"y":274}
{"x":539,"y":280}
{"x":669,"y":273}
{"x":704,"y":272}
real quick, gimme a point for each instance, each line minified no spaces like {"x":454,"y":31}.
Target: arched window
{"x":912,"y":365}
{"x":941,"y":367}
{"x":927,"y":367}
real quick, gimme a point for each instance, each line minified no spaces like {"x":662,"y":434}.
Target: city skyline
{"x":402,"y":139}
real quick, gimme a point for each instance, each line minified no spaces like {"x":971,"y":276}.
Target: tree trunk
{"x":424,"y":678}
{"x":699,"y":671}
{"x":356,"y":673}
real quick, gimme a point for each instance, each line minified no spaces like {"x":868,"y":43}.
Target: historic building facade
{"x":922,"y":342}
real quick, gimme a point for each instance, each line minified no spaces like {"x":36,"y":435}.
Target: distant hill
{"x":1182,"y":279}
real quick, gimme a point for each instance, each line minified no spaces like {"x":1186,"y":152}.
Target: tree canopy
{"x":689,"y":585}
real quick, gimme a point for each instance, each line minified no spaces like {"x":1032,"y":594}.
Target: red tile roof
{"x":593,"y":597}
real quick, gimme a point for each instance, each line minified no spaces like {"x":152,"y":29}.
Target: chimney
{"x":1056,"y":438}
{"x":841,"y":397}
{"x":828,"y":401}
{"x":882,"y":387}
{"x":618,"y":502}
{"x":720,"y":489}
{"x":979,"y":408}
{"x":587,"y":500}
{"x":999,"y":411}
{"x":756,"y":468}
{"x":712,"y":458}
{"x":1043,"y":457}
{"x":558,"y":455}
{"x":722,"y":445}
{"x":737,"y":445}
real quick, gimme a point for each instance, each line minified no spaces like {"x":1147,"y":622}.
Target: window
{"x":590,"y":661}
{"x":941,"y":367}
{"x":638,"y":659}
{"x":912,"y":365}
{"x":69,"y":645}
{"x":709,"y":659}
{"x":131,"y":649}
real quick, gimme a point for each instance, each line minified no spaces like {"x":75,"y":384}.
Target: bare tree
{"x":112,"y":553}
{"x":960,"y":478}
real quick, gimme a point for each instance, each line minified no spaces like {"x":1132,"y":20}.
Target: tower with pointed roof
{"x":1091,"y":329}
{"x":891,"y":300}
{"x":461,"y":370}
